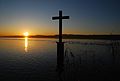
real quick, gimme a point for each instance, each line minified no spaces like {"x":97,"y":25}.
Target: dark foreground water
{"x":36,"y":60}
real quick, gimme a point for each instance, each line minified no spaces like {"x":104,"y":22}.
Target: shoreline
{"x":101,"y":37}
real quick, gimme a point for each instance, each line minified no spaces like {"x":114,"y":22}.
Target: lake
{"x":35,"y":59}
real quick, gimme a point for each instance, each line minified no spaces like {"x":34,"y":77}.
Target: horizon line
{"x":58,"y":34}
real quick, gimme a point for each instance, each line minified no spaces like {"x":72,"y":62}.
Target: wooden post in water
{"x":60,"y":44}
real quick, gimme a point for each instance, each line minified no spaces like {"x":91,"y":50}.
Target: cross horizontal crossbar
{"x":63,"y":17}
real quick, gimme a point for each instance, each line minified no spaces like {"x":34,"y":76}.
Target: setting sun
{"x":26,"y":34}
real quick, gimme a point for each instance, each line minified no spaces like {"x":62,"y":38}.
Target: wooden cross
{"x":60,"y":17}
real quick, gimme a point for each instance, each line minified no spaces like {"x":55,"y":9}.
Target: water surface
{"x":34,"y":59}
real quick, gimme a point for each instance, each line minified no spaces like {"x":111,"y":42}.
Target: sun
{"x":26,"y":34}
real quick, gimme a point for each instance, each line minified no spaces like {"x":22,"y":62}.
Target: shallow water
{"x":35,"y":59}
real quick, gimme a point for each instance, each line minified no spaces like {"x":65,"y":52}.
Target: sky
{"x":35,"y":16}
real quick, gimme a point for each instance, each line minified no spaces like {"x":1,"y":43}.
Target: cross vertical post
{"x":60,"y":26}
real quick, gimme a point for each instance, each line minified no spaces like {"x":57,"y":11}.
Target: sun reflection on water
{"x":26,"y":44}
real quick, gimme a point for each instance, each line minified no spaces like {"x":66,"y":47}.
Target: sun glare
{"x":26,"y":34}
